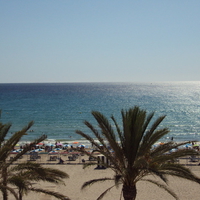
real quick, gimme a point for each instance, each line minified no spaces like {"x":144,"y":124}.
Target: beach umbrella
{"x":50,"y":144}
{"x":15,"y":151}
{"x":40,"y":144}
{"x":59,"y":144}
{"x":53,"y":152}
{"x":58,"y":149}
{"x":155,"y":145}
{"x":173,"y":150}
{"x":67,"y":145}
{"x":40,"y":149}
{"x":35,"y":150}
{"x":187,"y":146}
{"x":75,"y":142}
{"x":81,"y":145}
{"x":20,"y":149}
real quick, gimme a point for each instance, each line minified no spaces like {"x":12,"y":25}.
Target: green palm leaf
{"x":48,"y":192}
{"x":133,"y":154}
{"x":162,"y":186}
{"x":23,"y":175}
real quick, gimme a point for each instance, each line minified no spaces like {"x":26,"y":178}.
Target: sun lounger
{"x":193,"y":159}
{"x":34,"y":156}
{"x":91,"y":158}
{"x":11,"y":158}
{"x":53,"y":158}
{"x":71,"y":158}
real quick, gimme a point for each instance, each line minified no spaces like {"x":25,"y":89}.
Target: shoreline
{"x":87,"y":143}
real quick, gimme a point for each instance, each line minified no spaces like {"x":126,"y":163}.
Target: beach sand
{"x":72,"y":188}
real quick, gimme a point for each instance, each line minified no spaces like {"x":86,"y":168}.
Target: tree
{"x":6,"y":146}
{"x":134,"y":155}
{"x":23,"y":175}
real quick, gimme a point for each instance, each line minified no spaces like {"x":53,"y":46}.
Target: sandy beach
{"x":72,"y":188}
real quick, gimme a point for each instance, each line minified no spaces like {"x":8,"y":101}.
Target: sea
{"x":59,"y":109}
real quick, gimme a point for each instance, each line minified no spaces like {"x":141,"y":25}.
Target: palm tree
{"x":6,"y":146}
{"x":23,"y":175}
{"x":134,"y":154}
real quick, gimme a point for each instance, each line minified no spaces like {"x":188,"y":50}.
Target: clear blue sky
{"x":99,"y":40}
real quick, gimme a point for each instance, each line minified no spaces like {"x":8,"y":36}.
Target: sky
{"x":99,"y":41}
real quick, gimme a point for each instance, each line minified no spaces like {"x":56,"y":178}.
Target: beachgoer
{"x":61,"y":161}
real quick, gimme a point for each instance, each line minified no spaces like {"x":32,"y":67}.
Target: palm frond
{"x":97,"y":135}
{"x":91,"y":182}
{"x":11,"y":190}
{"x":162,"y":186}
{"x":179,"y":171}
{"x":20,"y":182}
{"x":11,"y":142}
{"x":133,"y":122}
{"x":109,"y":134}
{"x":48,"y":192}
{"x":14,"y":139}
{"x":4,"y":128}
{"x":27,"y":148}
{"x":35,"y":172}
{"x":162,"y":153}
{"x":117,"y":179}
{"x":89,"y":164}
{"x":90,"y":139}
{"x":133,"y":157}
{"x":105,"y":192}
{"x":25,"y":174}
{"x":148,"y":137}
{"x":105,"y":126}
{"x":152,"y":137}
{"x":120,"y":134}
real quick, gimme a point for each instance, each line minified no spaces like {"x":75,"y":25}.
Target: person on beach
{"x":61,"y":161}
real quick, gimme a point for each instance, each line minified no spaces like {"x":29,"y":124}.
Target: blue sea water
{"x":58,"y":109}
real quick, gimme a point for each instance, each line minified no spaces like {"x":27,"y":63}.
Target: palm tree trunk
{"x":129,"y":192}
{"x":4,"y":177}
{"x":20,"y":194}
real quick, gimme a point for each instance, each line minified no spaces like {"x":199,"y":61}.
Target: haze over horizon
{"x":99,"y":41}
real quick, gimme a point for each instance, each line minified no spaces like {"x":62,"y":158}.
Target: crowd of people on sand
{"x":48,"y":147}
